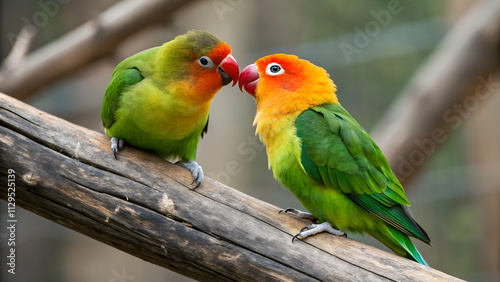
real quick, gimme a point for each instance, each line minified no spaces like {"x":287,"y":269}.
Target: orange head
{"x":217,"y":61}
{"x":199,"y":62}
{"x":284,"y":84}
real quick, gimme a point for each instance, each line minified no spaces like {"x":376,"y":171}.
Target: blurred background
{"x":455,"y":195}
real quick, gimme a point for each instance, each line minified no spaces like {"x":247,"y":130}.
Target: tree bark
{"x":144,"y":206}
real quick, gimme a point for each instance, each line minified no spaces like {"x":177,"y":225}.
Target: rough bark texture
{"x":143,"y":205}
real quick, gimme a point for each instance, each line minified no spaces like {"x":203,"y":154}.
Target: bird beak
{"x":249,"y":78}
{"x":229,"y":70}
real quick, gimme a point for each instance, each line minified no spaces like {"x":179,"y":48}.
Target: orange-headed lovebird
{"x":159,"y":99}
{"x":328,"y":161}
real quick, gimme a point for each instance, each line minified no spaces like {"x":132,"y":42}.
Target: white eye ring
{"x":205,"y":62}
{"x":274,"y":69}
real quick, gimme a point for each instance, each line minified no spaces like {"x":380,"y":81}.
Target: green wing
{"x":338,"y":152}
{"x":119,"y":81}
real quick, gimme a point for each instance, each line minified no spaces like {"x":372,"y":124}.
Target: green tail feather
{"x":406,"y":243}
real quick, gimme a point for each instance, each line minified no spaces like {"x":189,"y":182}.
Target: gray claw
{"x":295,"y":236}
{"x":299,"y":214}
{"x":314,"y":229}
{"x":196,"y":171}
{"x":116,"y":144}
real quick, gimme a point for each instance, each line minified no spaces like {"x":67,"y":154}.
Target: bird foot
{"x":314,"y":229}
{"x":116,"y":144}
{"x":196,"y":171}
{"x":299,"y":214}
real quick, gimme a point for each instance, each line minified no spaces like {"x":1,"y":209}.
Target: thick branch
{"x":96,"y":38}
{"x":143,"y":205}
{"x":433,"y":102}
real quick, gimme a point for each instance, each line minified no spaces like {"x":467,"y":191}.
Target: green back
{"x":339,"y":153}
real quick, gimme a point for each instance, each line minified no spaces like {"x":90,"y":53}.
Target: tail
{"x":400,"y":244}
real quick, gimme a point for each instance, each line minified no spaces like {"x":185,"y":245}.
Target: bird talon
{"x":299,"y":214}
{"x":116,"y":145}
{"x":195,"y":177}
{"x":314,"y":229}
{"x":295,"y":236}
{"x":196,"y":172}
{"x":304,"y":228}
{"x":198,"y":182}
{"x":286,"y":210}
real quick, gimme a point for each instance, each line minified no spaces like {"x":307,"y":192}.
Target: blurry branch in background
{"x":144,"y":206}
{"x":96,"y":38}
{"x":19,"y":50}
{"x":457,"y":78}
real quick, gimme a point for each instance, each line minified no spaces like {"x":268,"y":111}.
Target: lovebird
{"x":159,"y":99}
{"x":329,"y":162}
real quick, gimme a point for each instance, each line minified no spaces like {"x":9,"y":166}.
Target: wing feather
{"x":120,"y":80}
{"x":339,"y":153}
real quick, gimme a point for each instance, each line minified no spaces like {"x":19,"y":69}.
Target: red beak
{"x":229,"y":70}
{"x":249,"y":79}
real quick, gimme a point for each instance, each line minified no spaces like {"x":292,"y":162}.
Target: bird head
{"x":287,"y":83}
{"x":201,"y":61}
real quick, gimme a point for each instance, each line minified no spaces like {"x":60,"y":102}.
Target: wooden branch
{"x":429,"y":108}
{"x":143,"y":205}
{"x":96,"y":38}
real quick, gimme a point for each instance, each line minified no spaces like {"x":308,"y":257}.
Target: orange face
{"x":287,"y":83}
{"x":215,"y":69}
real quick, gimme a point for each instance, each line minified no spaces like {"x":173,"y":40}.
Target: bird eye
{"x":274,"y":69}
{"x":205,"y":62}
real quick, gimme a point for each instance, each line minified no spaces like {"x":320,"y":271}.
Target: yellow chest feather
{"x":279,"y":135}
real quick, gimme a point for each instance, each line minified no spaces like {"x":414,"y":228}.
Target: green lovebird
{"x":159,"y":99}
{"x":328,"y":161}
